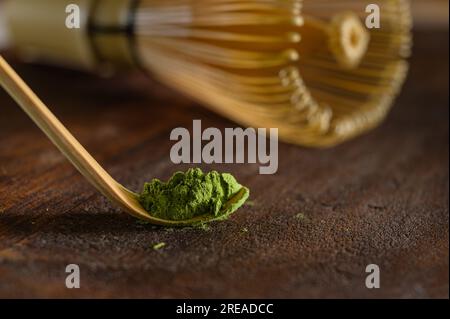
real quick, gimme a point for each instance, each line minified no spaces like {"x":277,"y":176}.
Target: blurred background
{"x":429,"y":14}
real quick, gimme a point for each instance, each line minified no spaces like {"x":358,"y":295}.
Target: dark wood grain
{"x":381,"y":198}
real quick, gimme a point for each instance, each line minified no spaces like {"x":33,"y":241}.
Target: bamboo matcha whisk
{"x":310,"y":68}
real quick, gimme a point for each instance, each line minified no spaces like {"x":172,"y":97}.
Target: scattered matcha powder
{"x":250,"y":203}
{"x":159,"y":246}
{"x":202,"y":226}
{"x":191,"y":194}
{"x":301,"y":216}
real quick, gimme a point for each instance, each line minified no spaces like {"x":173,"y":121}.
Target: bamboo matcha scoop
{"x":84,"y":162}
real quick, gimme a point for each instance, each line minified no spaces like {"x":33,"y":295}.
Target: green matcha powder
{"x":191,"y":194}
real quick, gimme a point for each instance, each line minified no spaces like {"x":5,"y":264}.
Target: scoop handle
{"x":54,"y":129}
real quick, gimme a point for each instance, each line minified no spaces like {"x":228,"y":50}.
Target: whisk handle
{"x":104,"y":35}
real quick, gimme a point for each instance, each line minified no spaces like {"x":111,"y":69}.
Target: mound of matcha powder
{"x":190,"y":194}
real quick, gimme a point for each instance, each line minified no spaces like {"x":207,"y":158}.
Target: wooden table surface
{"x":381,"y":198}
